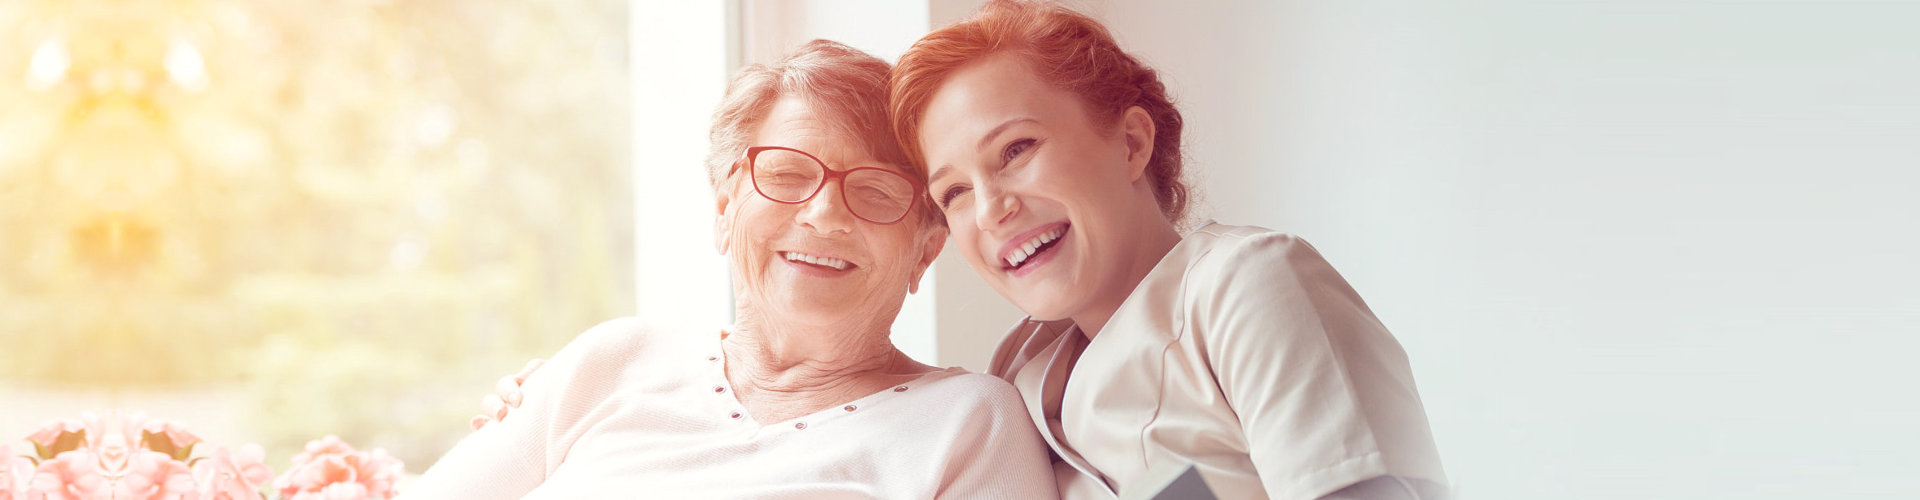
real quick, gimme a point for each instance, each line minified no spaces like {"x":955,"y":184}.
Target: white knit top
{"x":627,"y":411}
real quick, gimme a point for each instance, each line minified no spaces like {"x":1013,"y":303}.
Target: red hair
{"x":1069,"y":51}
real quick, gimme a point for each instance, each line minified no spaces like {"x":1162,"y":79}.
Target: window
{"x":274,"y":221}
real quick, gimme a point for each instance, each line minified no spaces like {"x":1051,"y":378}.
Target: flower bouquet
{"x":132,"y":457}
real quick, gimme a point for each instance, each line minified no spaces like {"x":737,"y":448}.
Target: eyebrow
{"x":984,"y":140}
{"x":939,"y":172}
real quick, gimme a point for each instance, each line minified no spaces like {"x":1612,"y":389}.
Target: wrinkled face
{"x":1041,"y":201}
{"x":814,"y":262}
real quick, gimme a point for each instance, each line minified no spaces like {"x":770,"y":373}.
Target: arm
{"x":1324,"y":393}
{"x":509,"y":458}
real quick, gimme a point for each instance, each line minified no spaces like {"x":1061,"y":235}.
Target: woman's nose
{"x":995,"y":208}
{"x":827,"y":211}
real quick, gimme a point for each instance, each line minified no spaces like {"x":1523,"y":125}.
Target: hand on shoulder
{"x":508,"y":393}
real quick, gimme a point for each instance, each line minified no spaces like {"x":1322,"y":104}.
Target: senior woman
{"x":804,"y":396}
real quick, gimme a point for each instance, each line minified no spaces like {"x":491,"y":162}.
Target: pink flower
{"x":16,"y":474}
{"x":335,"y":491}
{"x":48,"y":437}
{"x":113,"y":438}
{"x":380,"y":472}
{"x":330,"y":469}
{"x":232,"y":476}
{"x":74,"y":475}
{"x":330,"y":445}
{"x":79,"y":475}
{"x":152,"y":475}
{"x":174,"y":432}
{"x":168,"y":437}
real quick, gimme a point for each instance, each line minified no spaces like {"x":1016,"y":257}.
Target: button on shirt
{"x":625,"y":411}
{"x":1242,"y":352}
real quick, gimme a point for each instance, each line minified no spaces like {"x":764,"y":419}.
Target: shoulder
{"x":976,"y":430}
{"x":966,"y":385}
{"x":605,"y":360}
{"x":976,"y":395}
{"x":615,"y":343}
{"x":1246,"y":280}
{"x":616,"y":334}
{"x":1220,"y":247}
{"x":1255,"y":264}
{"x":974,"y":411}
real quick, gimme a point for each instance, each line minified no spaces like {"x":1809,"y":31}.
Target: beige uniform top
{"x":1242,"y":352}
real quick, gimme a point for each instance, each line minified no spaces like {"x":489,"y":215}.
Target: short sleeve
{"x":1324,"y":394}
{"x":511,"y":457}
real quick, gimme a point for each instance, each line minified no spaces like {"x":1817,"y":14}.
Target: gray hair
{"x":846,"y":85}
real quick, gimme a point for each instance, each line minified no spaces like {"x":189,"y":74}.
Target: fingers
{"x":509,"y":387}
{"x":493,"y":407}
{"x":507,"y":390}
{"x":507,"y":396}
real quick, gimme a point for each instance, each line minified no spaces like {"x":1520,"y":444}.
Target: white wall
{"x":1634,"y":249}
{"x":679,"y":277}
{"x":883,"y":28}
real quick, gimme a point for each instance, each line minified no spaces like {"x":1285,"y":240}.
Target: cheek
{"x":746,"y":235}
{"x":1091,"y":157}
{"x":966,"y":237}
{"x":1075,"y":185}
{"x":901,"y":246}
{"x":753,"y":227}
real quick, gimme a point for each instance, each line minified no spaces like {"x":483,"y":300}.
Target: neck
{"x":780,"y":370}
{"x":794,"y":361}
{"x":1155,"y":240}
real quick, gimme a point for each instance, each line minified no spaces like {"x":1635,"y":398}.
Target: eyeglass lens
{"x":791,"y":177}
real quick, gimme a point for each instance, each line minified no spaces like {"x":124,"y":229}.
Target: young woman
{"x":1055,"y":157}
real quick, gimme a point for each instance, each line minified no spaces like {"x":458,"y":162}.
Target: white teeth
{"x":816,"y":260}
{"x":1021,"y":254}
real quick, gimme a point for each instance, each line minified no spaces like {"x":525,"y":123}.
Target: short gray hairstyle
{"x":846,"y":85}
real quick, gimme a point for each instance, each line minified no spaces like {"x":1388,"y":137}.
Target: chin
{"x":1041,"y":300}
{"x":1041,"y":306}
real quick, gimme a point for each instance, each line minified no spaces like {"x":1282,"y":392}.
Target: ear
{"x":930,"y":246}
{"x":722,"y":224}
{"x":1136,"y":127}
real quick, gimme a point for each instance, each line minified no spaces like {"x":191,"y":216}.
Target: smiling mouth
{"x":1027,"y":252}
{"x":817,"y":261}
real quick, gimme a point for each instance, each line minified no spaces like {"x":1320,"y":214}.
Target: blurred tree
{"x":347,"y":212}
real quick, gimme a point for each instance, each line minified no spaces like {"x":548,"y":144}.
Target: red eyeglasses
{"x":791,"y":176}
